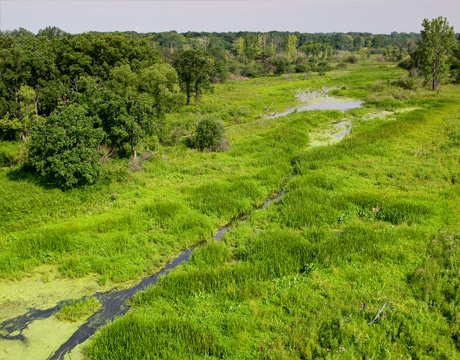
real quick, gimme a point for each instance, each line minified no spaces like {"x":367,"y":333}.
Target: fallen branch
{"x":383,"y":307}
{"x":267,"y":109}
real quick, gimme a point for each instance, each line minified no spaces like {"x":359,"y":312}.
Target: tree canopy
{"x":194,"y":69}
{"x":64,"y":147}
{"x":434,"y":50}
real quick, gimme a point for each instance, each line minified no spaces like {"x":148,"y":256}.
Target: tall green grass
{"x":359,"y":259}
{"x":77,"y":309}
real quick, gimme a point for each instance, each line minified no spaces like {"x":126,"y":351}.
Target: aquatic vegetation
{"x":77,"y":309}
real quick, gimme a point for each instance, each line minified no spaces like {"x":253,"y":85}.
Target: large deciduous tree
{"x":194,"y":69}
{"x":434,"y":50}
{"x":136,"y":102}
{"x":64,"y":146}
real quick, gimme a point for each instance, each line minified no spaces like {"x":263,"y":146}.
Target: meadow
{"x":359,"y":259}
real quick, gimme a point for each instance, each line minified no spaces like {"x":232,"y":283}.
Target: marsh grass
{"x":370,"y":219}
{"x":367,"y":222}
{"x":77,"y":309}
{"x":178,"y":200}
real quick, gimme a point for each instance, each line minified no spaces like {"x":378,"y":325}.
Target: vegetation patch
{"x":77,"y":309}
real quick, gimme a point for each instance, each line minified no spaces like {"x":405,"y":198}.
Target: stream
{"x":113,"y":303}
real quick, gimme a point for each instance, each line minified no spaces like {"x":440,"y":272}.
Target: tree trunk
{"x":187,"y":91}
{"x":133,"y":145}
{"x":21,"y":138}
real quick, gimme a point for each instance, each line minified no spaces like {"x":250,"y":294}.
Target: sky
{"x":307,"y":16}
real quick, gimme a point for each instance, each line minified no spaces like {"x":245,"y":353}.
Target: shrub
{"x":281,"y":65}
{"x":302,"y":68}
{"x":64,"y":147}
{"x":351,"y":59}
{"x":209,"y":134}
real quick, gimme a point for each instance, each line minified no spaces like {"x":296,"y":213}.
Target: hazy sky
{"x":376,"y":16}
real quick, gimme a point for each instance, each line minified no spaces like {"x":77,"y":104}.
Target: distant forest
{"x":53,"y":62}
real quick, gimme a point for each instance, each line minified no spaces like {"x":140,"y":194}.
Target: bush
{"x":351,"y":59}
{"x":406,"y":64}
{"x":281,"y":65}
{"x":302,"y":68}
{"x":64,"y":147}
{"x":322,"y":68}
{"x":209,"y":134}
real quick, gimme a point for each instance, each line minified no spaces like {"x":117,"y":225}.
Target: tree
{"x":290,"y":47}
{"x":194,"y":69}
{"x":358,"y":42}
{"x":64,"y":147}
{"x":264,"y":58}
{"x":160,"y":83}
{"x":434,"y":50}
{"x":239,"y":47}
{"x":364,"y":53}
{"x":209,"y":133}
{"x":51,"y":32}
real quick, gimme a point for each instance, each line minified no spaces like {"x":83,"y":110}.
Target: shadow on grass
{"x":27,"y":173}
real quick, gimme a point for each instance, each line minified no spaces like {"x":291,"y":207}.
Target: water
{"x":326,"y":103}
{"x":343,"y":124}
{"x":113,"y":303}
{"x":319,"y":100}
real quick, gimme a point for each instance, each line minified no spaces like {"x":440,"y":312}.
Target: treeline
{"x":76,"y":98}
{"x":255,"y":54}
{"x":234,"y":51}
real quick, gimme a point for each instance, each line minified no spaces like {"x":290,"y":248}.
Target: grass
{"x":133,"y":222}
{"x":366,"y":222}
{"x":77,"y":309}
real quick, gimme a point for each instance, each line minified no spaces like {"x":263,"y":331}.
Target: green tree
{"x":160,"y":83}
{"x":209,"y":133}
{"x":126,"y":119}
{"x":435,"y":49}
{"x":51,"y":32}
{"x":239,"y":47}
{"x":364,"y":53}
{"x":290,"y":47}
{"x":135,"y":103}
{"x":358,"y":42}
{"x":64,"y":147}
{"x":194,"y":69}
{"x":264,"y":57}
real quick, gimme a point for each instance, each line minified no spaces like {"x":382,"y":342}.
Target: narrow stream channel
{"x":113,"y":303}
